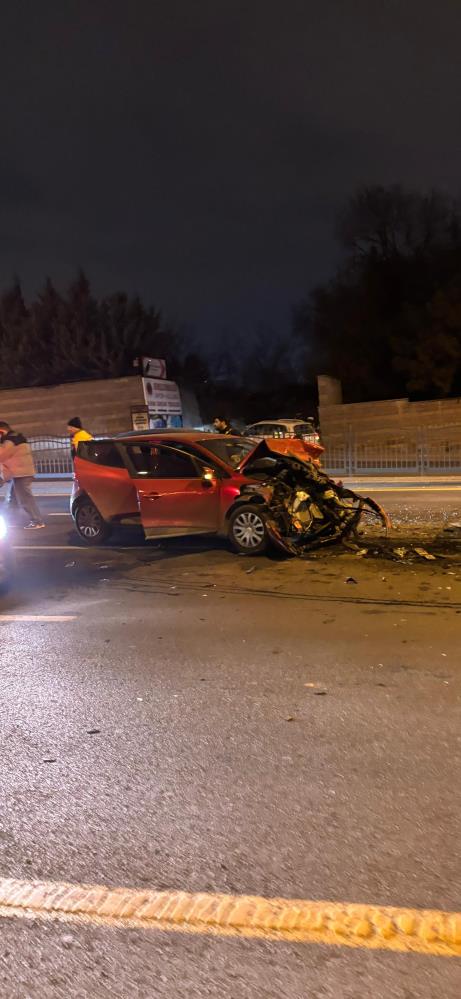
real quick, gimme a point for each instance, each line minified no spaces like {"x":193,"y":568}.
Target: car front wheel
{"x":247,"y":530}
{"x":91,"y":527}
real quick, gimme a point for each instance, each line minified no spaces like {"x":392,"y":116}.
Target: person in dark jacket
{"x":223,"y":426}
{"x":17,"y":468}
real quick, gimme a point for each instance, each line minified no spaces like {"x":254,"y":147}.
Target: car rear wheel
{"x":91,"y":527}
{"x":247,"y":530}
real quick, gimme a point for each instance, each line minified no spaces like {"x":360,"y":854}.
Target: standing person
{"x":77,"y":433}
{"x":223,"y":426}
{"x":17,"y":468}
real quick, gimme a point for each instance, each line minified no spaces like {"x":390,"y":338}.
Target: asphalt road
{"x":216,"y":766}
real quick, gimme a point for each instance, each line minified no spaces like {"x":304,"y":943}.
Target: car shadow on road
{"x":55,"y":572}
{"x":165,"y":549}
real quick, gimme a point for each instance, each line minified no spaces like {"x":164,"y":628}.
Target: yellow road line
{"x":37,"y":618}
{"x":422,"y":931}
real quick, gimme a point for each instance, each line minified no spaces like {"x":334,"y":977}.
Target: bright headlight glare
{"x":2,"y":528}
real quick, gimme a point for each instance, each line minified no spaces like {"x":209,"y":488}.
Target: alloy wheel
{"x":248,"y":529}
{"x":89,"y":521}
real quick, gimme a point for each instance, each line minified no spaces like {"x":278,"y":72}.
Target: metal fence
{"x":52,"y":456}
{"x":432,"y":451}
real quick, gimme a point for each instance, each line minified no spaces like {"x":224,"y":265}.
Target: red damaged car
{"x":174,"y":483}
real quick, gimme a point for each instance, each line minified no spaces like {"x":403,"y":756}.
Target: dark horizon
{"x":200,"y":156}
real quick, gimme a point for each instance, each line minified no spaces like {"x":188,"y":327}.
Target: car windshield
{"x":231,"y":450}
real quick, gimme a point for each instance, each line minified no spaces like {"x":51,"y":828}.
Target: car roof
{"x":261,"y":423}
{"x":175,"y":435}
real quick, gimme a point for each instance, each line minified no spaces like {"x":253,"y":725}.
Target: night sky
{"x":197,"y":151}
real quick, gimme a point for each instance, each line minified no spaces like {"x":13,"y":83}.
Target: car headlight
{"x":3,"y":528}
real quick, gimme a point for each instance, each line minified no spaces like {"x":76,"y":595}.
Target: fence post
{"x":351,"y":462}
{"x":421,"y":442}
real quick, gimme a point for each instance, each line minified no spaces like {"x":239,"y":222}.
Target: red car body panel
{"x":172,"y":506}
{"x":112,"y":490}
{"x":178,"y":506}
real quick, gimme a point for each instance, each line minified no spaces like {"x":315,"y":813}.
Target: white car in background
{"x":303,"y":430}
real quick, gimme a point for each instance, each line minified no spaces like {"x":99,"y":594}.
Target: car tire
{"x":247,"y":530}
{"x":91,"y":527}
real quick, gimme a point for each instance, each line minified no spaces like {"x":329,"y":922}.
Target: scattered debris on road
{"x":67,"y":940}
{"x":424,"y":554}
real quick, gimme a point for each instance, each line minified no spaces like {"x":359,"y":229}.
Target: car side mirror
{"x":209,"y":477}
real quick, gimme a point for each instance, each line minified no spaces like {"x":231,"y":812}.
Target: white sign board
{"x":153,"y":367}
{"x":162,"y":397}
{"x":140,"y":417}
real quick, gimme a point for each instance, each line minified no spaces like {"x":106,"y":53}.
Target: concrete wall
{"x":391,"y":417}
{"x":330,"y":390}
{"x":104,"y":406}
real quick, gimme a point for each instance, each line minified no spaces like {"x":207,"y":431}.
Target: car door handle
{"x":152,"y":496}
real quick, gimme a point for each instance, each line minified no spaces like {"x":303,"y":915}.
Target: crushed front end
{"x":304,"y":507}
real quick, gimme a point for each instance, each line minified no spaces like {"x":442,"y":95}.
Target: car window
{"x":269,"y":430}
{"x":304,"y":428}
{"x":231,"y":450}
{"x":162,"y":462}
{"x":101,"y":453}
{"x":203,"y":460}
